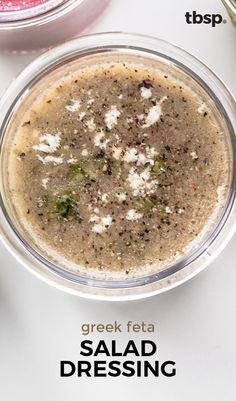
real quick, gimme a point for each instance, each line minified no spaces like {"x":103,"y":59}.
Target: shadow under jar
{"x":117,"y":166}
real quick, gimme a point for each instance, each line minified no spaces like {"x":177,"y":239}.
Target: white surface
{"x":196,"y":323}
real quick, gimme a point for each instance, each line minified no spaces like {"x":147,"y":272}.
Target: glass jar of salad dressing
{"x":35,"y":24}
{"x":117,"y":166}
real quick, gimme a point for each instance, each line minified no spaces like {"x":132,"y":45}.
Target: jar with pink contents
{"x":33,"y":24}
{"x":17,"y":5}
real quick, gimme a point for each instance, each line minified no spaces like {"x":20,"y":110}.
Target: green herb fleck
{"x":51,"y":215}
{"x":149,"y":204}
{"x":157,"y":168}
{"x":78,"y":173}
{"x":162,"y":210}
{"x":64,"y":205}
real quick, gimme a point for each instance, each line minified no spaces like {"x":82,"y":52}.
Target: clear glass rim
{"x":39,"y":14}
{"x":149,"y":45}
{"x":230,"y":6}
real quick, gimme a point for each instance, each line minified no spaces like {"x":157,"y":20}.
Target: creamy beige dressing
{"x":117,"y":168}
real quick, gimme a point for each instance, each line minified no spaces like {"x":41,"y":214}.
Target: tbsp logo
{"x":197,"y":18}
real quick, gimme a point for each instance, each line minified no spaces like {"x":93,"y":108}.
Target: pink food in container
{"x":16,"y":5}
{"x":34,"y":24}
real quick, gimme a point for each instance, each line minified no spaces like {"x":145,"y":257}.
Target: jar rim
{"x":36,"y":14}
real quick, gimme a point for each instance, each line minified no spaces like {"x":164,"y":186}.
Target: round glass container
{"x":196,"y":74}
{"x":45,"y":23}
{"x":230,"y":6}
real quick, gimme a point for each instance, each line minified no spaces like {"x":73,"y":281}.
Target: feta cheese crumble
{"x":194,"y":155}
{"x":73,"y":106}
{"x":50,"y":159}
{"x":141,"y":182}
{"x":146,"y":93}
{"x":140,"y":117}
{"x":104,"y":198}
{"x":116,"y":152}
{"x":133,"y":215}
{"x":101,"y":223}
{"x":131,"y":155}
{"x":143,"y":159}
{"x":84,"y":152}
{"x":154,"y":114}
{"x":90,"y":101}
{"x":99,"y":140}
{"x":202,"y":108}
{"x":91,"y":125}
{"x":45,"y":182}
{"x":121,"y":197}
{"x":50,"y":143}
{"x":111,"y":117}
{"x":72,"y":160}
{"x":82,"y":115}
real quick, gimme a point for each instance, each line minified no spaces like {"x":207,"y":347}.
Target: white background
{"x":195,"y":323}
